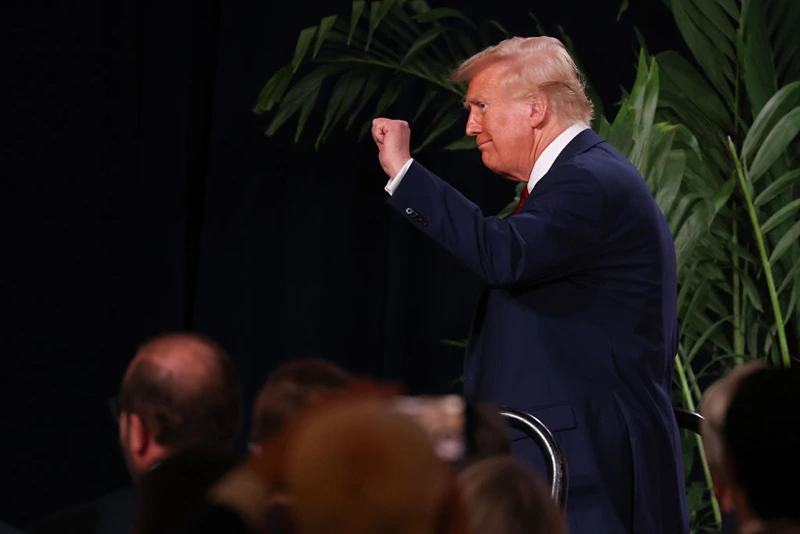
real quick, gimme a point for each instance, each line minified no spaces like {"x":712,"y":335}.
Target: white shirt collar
{"x":549,"y":155}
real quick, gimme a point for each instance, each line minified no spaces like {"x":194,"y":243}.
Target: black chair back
{"x":555,"y":459}
{"x":688,"y":420}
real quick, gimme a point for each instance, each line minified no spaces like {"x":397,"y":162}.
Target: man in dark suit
{"x":578,"y":325}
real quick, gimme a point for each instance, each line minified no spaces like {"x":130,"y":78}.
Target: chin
{"x":494,"y":168}
{"x":487,"y":161}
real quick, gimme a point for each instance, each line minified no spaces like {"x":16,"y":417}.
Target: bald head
{"x":187,"y":362}
{"x":185,"y":390}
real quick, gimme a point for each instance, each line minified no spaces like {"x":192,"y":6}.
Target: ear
{"x":123,"y":427}
{"x":538,"y":109}
{"x":723,"y":495}
{"x":725,"y":499}
{"x":725,"y":492}
{"x":138,"y":436}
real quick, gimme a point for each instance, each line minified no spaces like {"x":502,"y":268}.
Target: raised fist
{"x":393,"y":139}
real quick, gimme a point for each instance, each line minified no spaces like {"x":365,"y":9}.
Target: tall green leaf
{"x":755,"y":55}
{"x":465,"y":143}
{"x":439,"y":13}
{"x":775,"y":144}
{"x":299,"y":96}
{"x":303,"y":42}
{"x":441,"y":125}
{"x":370,"y":88}
{"x":694,"y":30}
{"x":345,"y":94}
{"x":783,"y":20}
{"x":273,"y":91}
{"x":421,"y":43}
{"x":789,"y":239}
{"x":305,"y":112}
{"x":779,"y":186}
{"x":378,"y":10}
{"x":355,"y":16}
{"x":325,"y":26}
{"x":784,"y":100}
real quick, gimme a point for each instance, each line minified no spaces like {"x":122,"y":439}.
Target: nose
{"x":473,"y":124}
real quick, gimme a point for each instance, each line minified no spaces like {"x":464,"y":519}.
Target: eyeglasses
{"x":114,"y":408}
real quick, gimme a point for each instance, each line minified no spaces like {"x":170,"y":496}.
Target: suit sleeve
{"x":555,"y":234}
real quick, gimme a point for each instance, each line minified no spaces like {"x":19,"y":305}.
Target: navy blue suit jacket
{"x":578,"y":326}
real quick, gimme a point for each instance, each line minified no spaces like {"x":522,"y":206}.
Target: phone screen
{"x":443,"y":419}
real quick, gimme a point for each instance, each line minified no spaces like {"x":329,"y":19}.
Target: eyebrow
{"x":472,"y":100}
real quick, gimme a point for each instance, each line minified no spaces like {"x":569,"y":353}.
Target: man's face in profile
{"x":500,"y":124}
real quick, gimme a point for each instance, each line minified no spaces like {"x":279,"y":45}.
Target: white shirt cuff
{"x":392,"y":184}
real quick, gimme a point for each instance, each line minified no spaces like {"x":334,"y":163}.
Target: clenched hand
{"x":393,"y":139}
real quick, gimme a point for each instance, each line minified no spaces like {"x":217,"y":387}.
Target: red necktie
{"x":522,"y":198}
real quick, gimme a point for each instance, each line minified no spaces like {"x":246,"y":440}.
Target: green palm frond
{"x":383,"y":50}
{"x":363,"y":63}
{"x":776,"y":229}
{"x":738,"y":95}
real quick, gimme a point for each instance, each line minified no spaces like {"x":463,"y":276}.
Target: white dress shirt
{"x":540,"y":167}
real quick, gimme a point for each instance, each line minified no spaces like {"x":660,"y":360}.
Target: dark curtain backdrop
{"x":139,"y":195}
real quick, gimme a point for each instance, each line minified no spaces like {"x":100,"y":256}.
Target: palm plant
{"x":742,"y":107}
{"x":738,"y":250}
{"x":714,"y":137}
{"x":385,"y":49}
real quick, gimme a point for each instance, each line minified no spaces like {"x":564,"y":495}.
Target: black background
{"x":140,"y":195}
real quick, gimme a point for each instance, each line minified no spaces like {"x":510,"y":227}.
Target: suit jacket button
{"x":411,"y":212}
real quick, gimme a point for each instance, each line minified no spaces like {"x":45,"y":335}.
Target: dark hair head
{"x":503,"y":496}
{"x":310,"y":372}
{"x":287,"y":390}
{"x":761,"y":434}
{"x":186,"y":391}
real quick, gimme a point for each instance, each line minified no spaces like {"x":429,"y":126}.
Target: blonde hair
{"x":714,"y":408}
{"x":536,"y":64}
{"x":502,"y":496}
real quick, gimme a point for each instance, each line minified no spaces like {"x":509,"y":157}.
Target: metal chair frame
{"x":555,"y":459}
{"x":688,"y":420}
